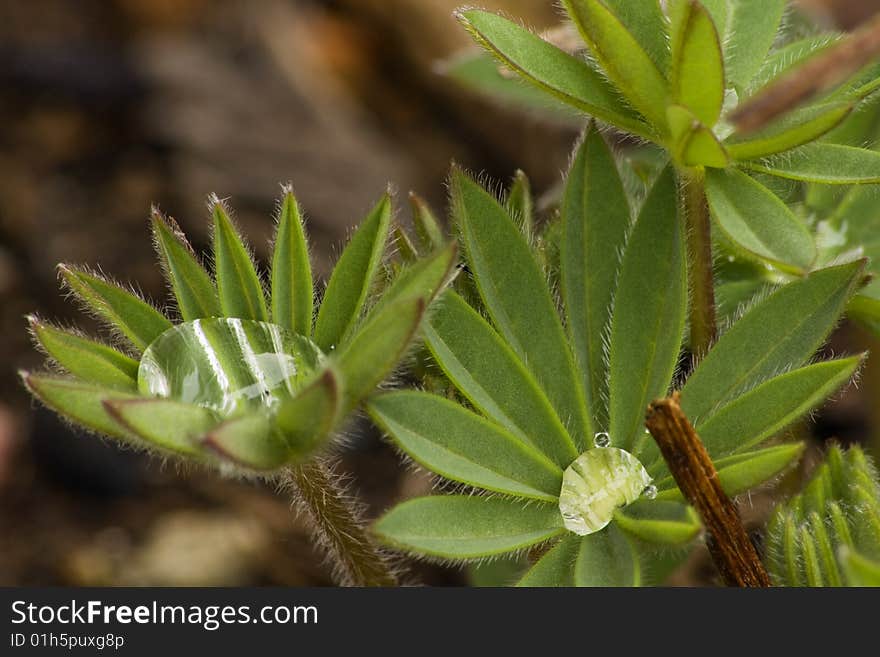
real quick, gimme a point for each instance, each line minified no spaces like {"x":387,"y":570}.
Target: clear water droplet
{"x":602,"y":439}
{"x":650,"y":492}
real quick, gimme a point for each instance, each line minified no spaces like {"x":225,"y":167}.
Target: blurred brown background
{"x":109,"y":106}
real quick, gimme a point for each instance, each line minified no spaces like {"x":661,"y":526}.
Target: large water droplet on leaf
{"x":596,"y":484}
{"x":228,"y":365}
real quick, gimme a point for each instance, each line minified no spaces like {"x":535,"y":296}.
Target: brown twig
{"x":819,"y":73}
{"x":730,"y":547}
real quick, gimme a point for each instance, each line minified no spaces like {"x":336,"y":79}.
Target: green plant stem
{"x":357,"y":561}
{"x":700,"y":277}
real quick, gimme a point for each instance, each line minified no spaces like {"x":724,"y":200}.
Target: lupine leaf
{"x":568,"y":78}
{"x":311,"y":415}
{"x":517,"y":298}
{"x":831,"y":164}
{"x":86,"y":359}
{"x":622,"y":58}
{"x":866,"y":311}
{"x":520,"y":204}
{"x":757,"y":221}
{"x":556,"y":567}
{"x":595,"y":221}
{"x":646,"y":22}
{"x":426,"y":224}
{"x":784,"y":59}
{"x":352,"y":278}
{"x":649,"y":313}
{"x":780,"y":332}
{"x":742,"y":472}
{"x":425,"y":278}
{"x":466,"y":526}
{"x":164,"y":423}
{"x":655,"y":522}
{"x":494,"y":380}
{"x":796,"y":129}
{"x":859,"y":570}
{"x":446,"y":438}
{"x":375,"y":350}
{"x":607,"y":558}
{"x":771,"y":406}
{"x":79,"y":402}
{"x":292,"y":287}
{"x":751,"y":30}
{"x":403,"y":244}
{"x":248,"y":441}
{"x":238,"y":285}
{"x":192,"y":286}
{"x":697,"y":71}
{"x":130,"y":315}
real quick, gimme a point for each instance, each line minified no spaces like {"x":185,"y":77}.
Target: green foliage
{"x":227,"y":386}
{"x":829,"y":534}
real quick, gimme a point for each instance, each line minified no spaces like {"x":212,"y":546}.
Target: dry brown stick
{"x":730,"y":547}
{"x":825,"y":70}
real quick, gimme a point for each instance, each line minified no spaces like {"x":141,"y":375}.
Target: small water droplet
{"x":650,"y":491}
{"x":602,"y":439}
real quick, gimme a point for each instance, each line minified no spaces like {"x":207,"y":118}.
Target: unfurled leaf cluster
{"x":242,"y":376}
{"x":549,"y":400}
{"x":829,"y":534}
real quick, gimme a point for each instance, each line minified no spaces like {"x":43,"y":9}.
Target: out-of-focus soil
{"x":110,"y":106}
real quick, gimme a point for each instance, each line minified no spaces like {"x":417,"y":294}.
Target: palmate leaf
{"x":520,"y":204}
{"x":782,"y":331}
{"x":607,"y":558}
{"x":487,"y":372}
{"x":556,"y":566}
{"x":694,"y":144}
{"x":165,"y":423}
{"x":750,"y":28}
{"x":248,"y":441}
{"x":646,"y":22}
{"x":568,"y":78}
{"x":425,"y":278}
{"x":789,"y":56}
{"x":312,"y":413}
{"x":649,"y":313}
{"x":193,"y":288}
{"x":757,"y":221}
{"x":697,"y":71}
{"x":659,"y":523}
{"x":830,"y":164}
{"x":622,"y":57}
{"x":459,"y":445}
{"x":86,"y":359}
{"x":430,"y":234}
{"x":467,"y":527}
{"x":133,"y":317}
{"x":238,"y":285}
{"x":595,"y":221}
{"x":292,"y":287}
{"x":518,"y":300}
{"x":352,"y":278}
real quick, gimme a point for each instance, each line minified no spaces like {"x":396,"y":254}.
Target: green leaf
{"x":649,"y":313}
{"x":427,"y":226}
{"x":763,"y":412}
{"x":292,"y":287}
{"x":238,"y":285}
{"x":192,"y":286}
{"x":859,"y":570}
{"x":520,"y":204}
{"x":247,"y":441}
{"x":466,"y":526}
{"x":457,"y":444}
{"x":86,"y":359}
{"x":426,"y":278}
{"x":659,"y":523}
{"x":693,"y":144}
{"x":757,"y":221}
{"x":403,"y":245}
{"x":742,"y":472}
{"x":784,"y":59}
{"x":607,"y":558}
{"x":493,"y":379}
{"x":312,"y":414}
{"x":750,"y":32}
{"x":830,"y":164}
{"x":556,"y":567}
{"x":518,"y":300}
{"x":646,"y":22}
{"x":595,"y":221}
{"x":697,"y":72}
{"x":375,"y":350}
{"x":866,"y":311}
{"x":129,"y":314}
{"x":164,"y":423}
{"x":566,"y":77}
{"x":780,"y":332}
{"x":622,"y":58}
{"x":352,"y":279}
{"x":79,"y":402}
{"x":795,"y":129}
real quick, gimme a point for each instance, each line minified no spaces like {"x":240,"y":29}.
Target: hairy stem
{"x":693,"y":470}
{"x":700,"y":279}
{"x":337,"y":520}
